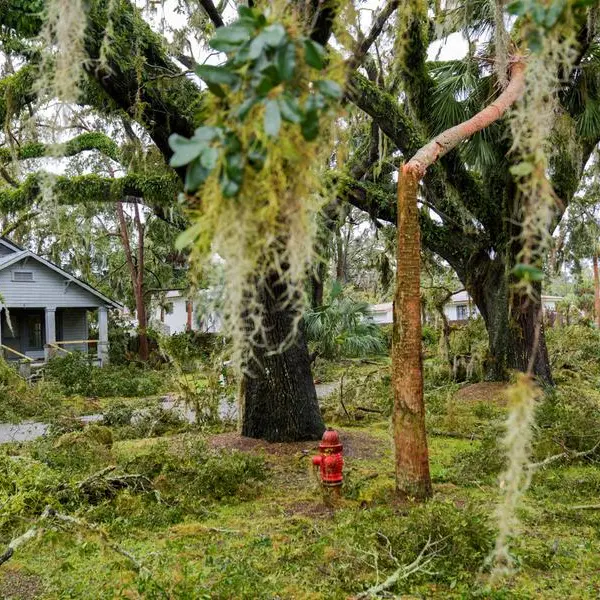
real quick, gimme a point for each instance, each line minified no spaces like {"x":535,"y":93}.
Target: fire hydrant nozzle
{"x":330,"y":461}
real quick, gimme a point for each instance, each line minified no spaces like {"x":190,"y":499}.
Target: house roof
{"x":20,"y":254}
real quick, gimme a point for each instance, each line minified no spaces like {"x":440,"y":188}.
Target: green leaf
{"x":314,"y":54}
{"x":209,"y":158}
{"x":272,"y":121}
{"x":274,"y":34}
{"x":229,"y":188}
{"x":264,"y":86}
{"x":331,"y":89}
{"x":289,"y":108}
{"x":217,"y":75}
{"x":227,"y":39}
{"x":195,"y":175}
{"x":257,"y":46}
{"x":257,"y":156}
{"x":188,"y":236}
{"x":517,"y":8}
{"x":310,"y":125}
{"x":208,"y":134}
{"x":554,"y":12}
{"x":235,"y":167}
{"x":286,"y":61}
{"x":245,"y":107}
{"x":522,"y":169}
{"x":185,"y":151}
{"x":527,"y":272}
{"x":246,"y":11}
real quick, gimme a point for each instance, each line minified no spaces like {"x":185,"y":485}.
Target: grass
{"x":240,"y":519}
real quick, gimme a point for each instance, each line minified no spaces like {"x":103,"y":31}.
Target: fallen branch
{"x":50,"y":514}
{"x":455,"y":434}
{"x":585,"y":507}
{"x":369,"y":410}
{"x":567,"y":454}
{"x":24,"y":538}
{"x":403,"y":572}
{"x":82,"y":484}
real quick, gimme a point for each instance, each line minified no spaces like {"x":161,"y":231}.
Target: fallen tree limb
{"x":24,"y":538}
{"x":585,"y":507}
{"x":403,"y":571}
{"x":455,"y":434}
{"x":564,"y":455}
{"x":51,"y":514}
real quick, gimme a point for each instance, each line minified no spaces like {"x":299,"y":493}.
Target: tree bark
{"x":596,"y":289}
{"x":514,"y":322}
{"x":136,"y":272}
{"x":412,"y":462}
{"x":410,"y":439}
{"x":279,"y":398}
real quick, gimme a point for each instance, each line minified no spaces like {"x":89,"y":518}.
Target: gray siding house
{"x":44,"y":309}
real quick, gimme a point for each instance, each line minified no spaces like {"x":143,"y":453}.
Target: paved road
{"x":31,"y":430}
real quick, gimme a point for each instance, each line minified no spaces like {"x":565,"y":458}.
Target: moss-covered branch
{"x":81,"y":143}
{"x":153,"y":191}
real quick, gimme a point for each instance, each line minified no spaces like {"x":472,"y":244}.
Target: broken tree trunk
{"x":412,"y":458}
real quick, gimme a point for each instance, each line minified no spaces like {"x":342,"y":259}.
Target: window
{"x":462,"y":312}
{"x":22,"y":275}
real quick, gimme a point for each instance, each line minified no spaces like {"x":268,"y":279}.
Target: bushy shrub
{"x":18,"y":400}
{"x":27,"y":486}
{"x":188,"y":347}
{"x":430,"y":336}
{"x":574,"y":348}
{"x":484,"y":462}
{"x":470,"y":343}
{"x":343,"y":327}
{"x":76,"y":452}
{"x":567,"y":417}
{"x":463,"y":538}
{"x":196,"y":471}
{"x":77,"y":375}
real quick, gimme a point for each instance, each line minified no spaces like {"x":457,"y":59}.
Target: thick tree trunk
{"x":514,"y":322}
{"x":279,"y":399}
{"x":410,"y":439}
{"x":596,"y":289}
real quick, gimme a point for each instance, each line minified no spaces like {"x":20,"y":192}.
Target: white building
{"x":175,"y":312}
{"x":459,"y":308}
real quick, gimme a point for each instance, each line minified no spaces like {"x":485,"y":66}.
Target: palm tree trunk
{"x":410,"y":439}
{"x":412,"y":461}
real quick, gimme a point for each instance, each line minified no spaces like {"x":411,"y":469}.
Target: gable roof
{"x":20,"y":254}
{"x":10,"y":245}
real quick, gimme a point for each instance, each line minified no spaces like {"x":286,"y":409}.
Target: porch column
{"x":103,"y":335}
{"x":50,"y":332}
{"x":1,"y":349}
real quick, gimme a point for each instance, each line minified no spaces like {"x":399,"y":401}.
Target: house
{"x":44,"y":309}
{"x":382,"y":314}
{"x":176,"y":311}
{"x":460,"y":308}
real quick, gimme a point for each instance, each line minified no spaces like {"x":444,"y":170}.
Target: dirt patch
{"x":15,"y":585}
{"x":357,"y":444}
{"x":308,"y":509}
{"x":486,"y":391}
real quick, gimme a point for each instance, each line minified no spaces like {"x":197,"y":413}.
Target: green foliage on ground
{"x":76,"y":374}
{"x":18,"y":400}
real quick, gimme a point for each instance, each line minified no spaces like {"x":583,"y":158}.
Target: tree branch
{"x":365,"y":44}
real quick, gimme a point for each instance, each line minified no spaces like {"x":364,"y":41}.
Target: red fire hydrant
{"x":330,"y":461}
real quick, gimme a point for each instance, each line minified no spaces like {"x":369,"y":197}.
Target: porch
{"x":34,"y":335}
